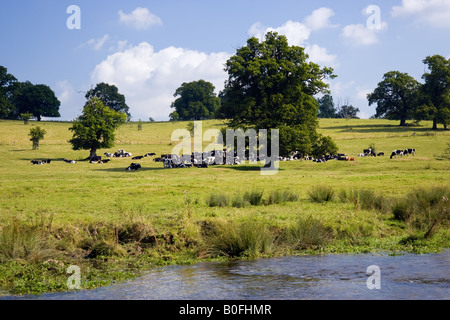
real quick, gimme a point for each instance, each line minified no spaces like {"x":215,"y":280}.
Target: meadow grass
{"x":93,"y":214}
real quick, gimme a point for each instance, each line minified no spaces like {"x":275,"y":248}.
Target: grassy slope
{"x":84,"y":193}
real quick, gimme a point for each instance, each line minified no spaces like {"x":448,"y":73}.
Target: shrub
{"x":106,"y":249}
{"x":321,"y":194}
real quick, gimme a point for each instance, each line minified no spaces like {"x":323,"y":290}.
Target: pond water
{"x":327,"y":277}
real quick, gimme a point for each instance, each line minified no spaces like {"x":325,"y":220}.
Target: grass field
{"x":79,"y":205}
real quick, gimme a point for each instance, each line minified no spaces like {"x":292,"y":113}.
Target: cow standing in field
{"x":396,"y":153}
{"x":409,"y":151}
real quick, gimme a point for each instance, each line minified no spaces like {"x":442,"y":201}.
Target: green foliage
{"x":95,"y":128}
{"x":7,"y":87}
{"x":396,"y":97}
{"x":326,"y":107}
{"x":26,"y":117}
{"x":36,"y":135}
{"x":324,"y":146}
{"x":321,"y":194}
{"x":196,"y":101}
{"x":436,"y":90}
{"x":38,"y":99}
{"x":110,"y":96}
{"x":271,"y":86}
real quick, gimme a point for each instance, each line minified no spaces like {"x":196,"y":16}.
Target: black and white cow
{"x":409,"y":151}
{"x":396,"y":153}
{"x":95,"y":159}
{"x":69,"y":161}
{"x":134,"y":166}
{"x":38,"y":162}
{"x":150,"y":155}
{"x":109,"y":155}
{"x":137,"y":158}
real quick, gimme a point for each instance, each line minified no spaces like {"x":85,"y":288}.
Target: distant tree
{"x":26,"y":117}
{"x":196,"y":101}
{"x":396,"y":97}
{"x":151,"y":119}
{"x":7,"y":86}
{"x":95,"y":128}
{"x":346,"y":110}
{"x":174,"y":116}
{"x":38,"y":100}
{"x":110,"y":96}
{"x":139,"y":127}
{"x":36,"y":135}
{"x":324,"y":146}
{"x":326,"y":107}
{"x":436,"y":91}
{"x":271,"y":85}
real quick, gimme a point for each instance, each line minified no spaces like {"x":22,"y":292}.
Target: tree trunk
{"x":35,"y":144}
{"x":39,"y":118}
{"x":434,"y":124}
{"x":402,"y":122}
{"x":93,"y":153}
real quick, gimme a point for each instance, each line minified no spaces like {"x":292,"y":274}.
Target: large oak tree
{"x":272,"y":85}
{"x":110,"y":96}
{"x":95,"y":128}
{"x":396,"y":97}
{"x":436,"y":91}
{"x":196,"y":100}
{"x":37,"y":99}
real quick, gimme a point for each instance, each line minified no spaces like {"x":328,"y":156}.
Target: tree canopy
{"x":95,"y":128}
{"x":7,"y":87}
{"x":271,"y":85}
{"x":196,"y":101}
{"x":110,"y":96}
{"x":326,"y":107}
{"x":436,"y":91}
{"x":396,"y":97}
{"x":37,"y":99}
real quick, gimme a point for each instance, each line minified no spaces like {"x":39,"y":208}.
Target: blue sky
{"x":149,"y":48}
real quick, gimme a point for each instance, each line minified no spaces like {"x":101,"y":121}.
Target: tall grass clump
{"x":278,"y":197}
{"x":321,"y":194}
{"x":218,"y":200}
{"x":307,"y":233}
{"x":241,"y":239}
{"x":22,"y":242}
{"x":424,"y":209}
{"x":254,"y":197}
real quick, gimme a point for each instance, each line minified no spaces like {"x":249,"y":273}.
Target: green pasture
{"x":96,"y":192}
{"x":74,"y":199}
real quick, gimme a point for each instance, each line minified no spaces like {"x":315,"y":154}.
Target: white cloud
{"x":97,"y":44}
{"x":362,"y":93}
{"x":120,"y":46}
{"x":360,"y":34}
{"x":321,"y":56}
{"x":140,"y":19}
{"x":433,"y":12}
{"x":297,"y":33}
{"x":149,"y":78}
{"x":320,"y":19}
{"x":72,"y":101}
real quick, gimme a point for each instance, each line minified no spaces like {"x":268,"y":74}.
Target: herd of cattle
{"x":200,"y":160}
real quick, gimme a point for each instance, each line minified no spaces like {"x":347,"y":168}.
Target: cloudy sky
{"x":149,"y":48}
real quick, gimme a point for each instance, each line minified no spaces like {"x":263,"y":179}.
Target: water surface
{"x":328,"y":277}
